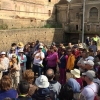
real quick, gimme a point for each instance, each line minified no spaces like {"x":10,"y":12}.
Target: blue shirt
{"x":10,"y":93}
{"x":74,"y":84}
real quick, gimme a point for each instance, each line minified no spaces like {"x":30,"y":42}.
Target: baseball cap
{"x":90,"y":58}
{"x":90,"y":74}
{"x":3,"y":53}
{"x":89,"y":62}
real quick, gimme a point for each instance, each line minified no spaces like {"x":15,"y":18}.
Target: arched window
{"x":94,"y":12}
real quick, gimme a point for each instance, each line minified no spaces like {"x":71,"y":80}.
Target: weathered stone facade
{"x":72,"y":15}
{"x":36,"y":11}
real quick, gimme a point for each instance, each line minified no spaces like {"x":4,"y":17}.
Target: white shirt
{"x":6,"y":63}
{"x":90,"y":91}
{"x":81,"y":61}
{"x":37,"y":59}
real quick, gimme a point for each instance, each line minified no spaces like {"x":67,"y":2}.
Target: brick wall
{"x":29,"y":35}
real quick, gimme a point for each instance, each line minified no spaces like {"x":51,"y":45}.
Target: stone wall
{"x":29,"y":35}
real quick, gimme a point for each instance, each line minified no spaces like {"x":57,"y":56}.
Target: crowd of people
{"x":37,"y":72}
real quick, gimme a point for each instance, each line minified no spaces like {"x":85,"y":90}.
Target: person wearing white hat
{"x":38,"y":60}
{"x":90,"y":91}
{"x":76,"y":73}
{"x":5,"y":60}
{"x":43,"y":91}
{"x":81,"y":63}
{"x":89,"y":65}
{"x":22,"y":60}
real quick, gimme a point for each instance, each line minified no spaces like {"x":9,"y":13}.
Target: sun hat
{"x":90,"y":58}
{"x":89,"y":62}
{"x":20,"y":45}
{"x":80,"y":46}
{"x":76,"y":73}
{"x":14,"y":56}
{"x":90,"y":74}
{"x":42,"y":81}
{"x":40,"y":47}
{"x":20,"y":50}
{"x":3,"y":53}
{"x":12,"y":48}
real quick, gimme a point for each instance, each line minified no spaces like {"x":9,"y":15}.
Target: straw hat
{"x":14,"y":56}
{"x":76,"y":73}
{"x":20,"y":45}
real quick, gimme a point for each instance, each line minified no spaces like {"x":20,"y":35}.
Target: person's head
{"x":12,"y":49}
{"x":3,"y":54}
{"x":84,"y":53}
{"x":37,"y":42}
{"x":20,"y":52}
{"x":66,"y":92}
{"x":91,"y":53}
{"x":14,"y":45}
{"x":28,"y":75}
{"x":95,"y":35}
{"x":75,"y":73}
{"x":75,"y":48}
{"x":69,"y":51}
{"x":14,"y":58}
{"x":42,"y":82}
{"x":40,"y":48}
{"x":5,"y":83}
{"x":89,"y":64}
{"x":32,"y":44}
{"x":50,"y":74}
{"x":61,"y":45}
{"x":69,"y":44}
{"x":23,"y":87}
{"x":94,"y":43}
{"x":89,"y":76}
{"x":20,"y":45}
{"x":63,"y":51}
{"x":52,"y":50}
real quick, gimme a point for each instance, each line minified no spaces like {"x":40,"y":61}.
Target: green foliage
{"x":54,"y":25}
{"x":3,"y":27}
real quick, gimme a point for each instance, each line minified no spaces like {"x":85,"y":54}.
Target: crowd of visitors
{"x":37,"y":72}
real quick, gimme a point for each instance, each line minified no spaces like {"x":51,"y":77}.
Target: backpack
{"x":66,"y":92}
{"x":49,"y":96}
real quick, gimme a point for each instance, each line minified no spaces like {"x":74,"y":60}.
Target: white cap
{"x":3,"y":53}
{"x":89,"y":62}
{"x":90,"y":74}
{"x":90,"y":58}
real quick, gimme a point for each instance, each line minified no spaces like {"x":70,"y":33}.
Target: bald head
{"x":50,"y":74}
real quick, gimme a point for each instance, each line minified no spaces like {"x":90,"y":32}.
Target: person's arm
{"x":80,"y":65}
{"x":41,"y":56}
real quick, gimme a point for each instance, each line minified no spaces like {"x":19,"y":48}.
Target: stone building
{"x":35,"y":11}
{"x":70,"y":15}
